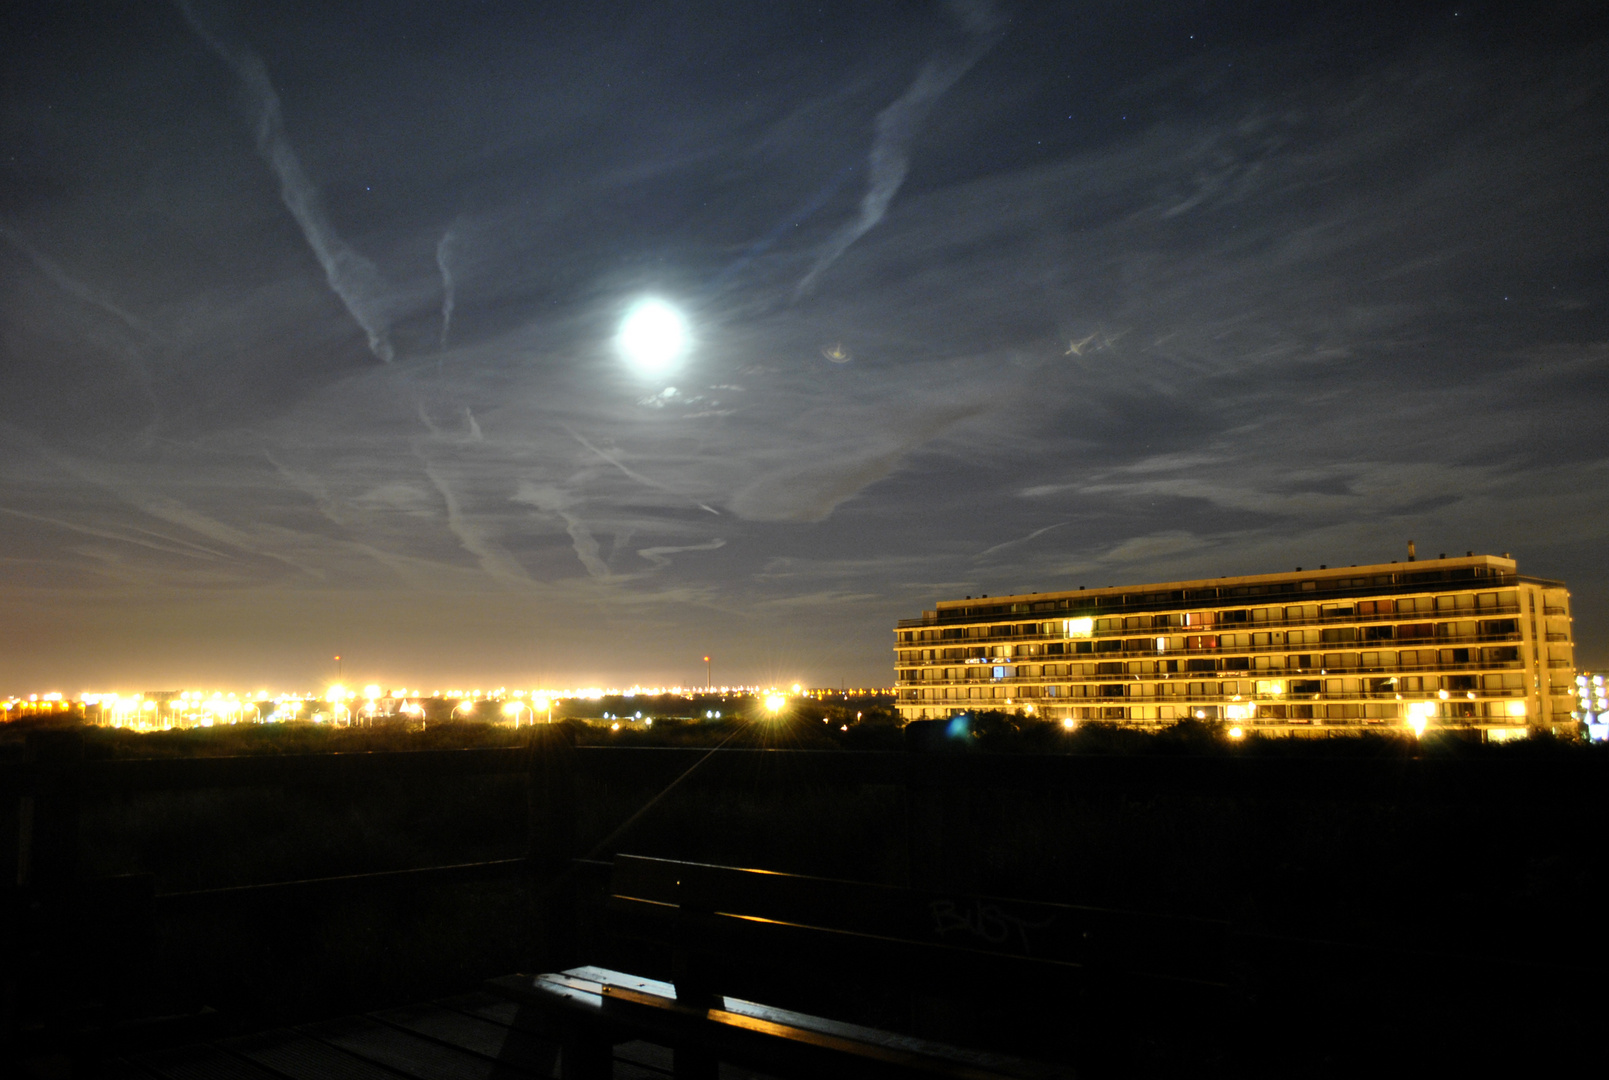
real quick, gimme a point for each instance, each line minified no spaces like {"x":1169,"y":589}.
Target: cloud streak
{"x":448,"y":294}
{"x":352,"y":277}
{"x":656,"y":555}
{"x":897,"y":125}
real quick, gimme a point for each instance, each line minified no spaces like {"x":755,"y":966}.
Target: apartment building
{"x":1461,"y":642}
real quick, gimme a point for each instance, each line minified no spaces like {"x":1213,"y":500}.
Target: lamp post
{"x":706,"y":674}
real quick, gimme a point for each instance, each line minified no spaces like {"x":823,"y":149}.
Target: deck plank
{"x":123,"y":1069}
{"x":299,"y":1057}
{"x":203,"y":1062}
{"x":409,"y":1054}
{"x":498,"y":1010}
{"x":512,"y":1046}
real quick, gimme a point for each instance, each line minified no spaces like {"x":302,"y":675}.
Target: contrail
{"x":446,"y":284}
{"x":897,"y":125}
{"x":82,"y":292}
{"x":71,"y":285}
{"x":353,"y":278}
{"x":656,"y":555}
{"x":1019,"y":540}
{"x":189,"y":550}
{"x":637,"y":476}
{"x":799,"y":215}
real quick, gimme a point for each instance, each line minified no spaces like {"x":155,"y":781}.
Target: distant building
{"x":1592,"y":704}
{"x":1463,"y":642}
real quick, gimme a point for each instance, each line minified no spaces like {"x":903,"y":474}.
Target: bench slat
{"x":744,"y":1029}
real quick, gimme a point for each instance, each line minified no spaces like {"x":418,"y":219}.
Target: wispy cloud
{"x":99,"y":300}
{"x":984,"y":554}
{"x":448,"y":292}
{"x":71,"y":285}
{"x":352,"y":277}
{"x":897,"y":125}
{"x":493,"y":559}
{"x":656,"y":555}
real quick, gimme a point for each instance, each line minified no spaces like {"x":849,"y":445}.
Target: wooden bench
{"x":804,"y":976}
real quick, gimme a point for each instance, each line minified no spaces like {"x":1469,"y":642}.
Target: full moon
{"x":653,"y":336}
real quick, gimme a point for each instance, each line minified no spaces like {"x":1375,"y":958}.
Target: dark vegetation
{"x":802,"y":726}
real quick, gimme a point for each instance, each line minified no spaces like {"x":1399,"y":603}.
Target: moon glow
{"x":653,"y":337}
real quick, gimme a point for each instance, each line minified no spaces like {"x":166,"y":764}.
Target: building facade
{"x":1462,"y":642}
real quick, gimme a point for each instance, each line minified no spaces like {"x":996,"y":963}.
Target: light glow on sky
{"x":653,"y":337}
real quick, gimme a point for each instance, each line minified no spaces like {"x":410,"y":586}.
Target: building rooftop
{"x":1363,"y":579}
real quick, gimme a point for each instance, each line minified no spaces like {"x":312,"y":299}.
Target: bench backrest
{"x":888,"y":953}
{"x":1136,"y":943}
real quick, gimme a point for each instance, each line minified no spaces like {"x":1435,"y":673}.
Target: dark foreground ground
{"x":281,"y":884}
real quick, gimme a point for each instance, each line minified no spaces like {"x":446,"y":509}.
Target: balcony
{"x":1444,"y":615}
{"x":1196,"y":631}
{"x":1230,"y":699}
{"x":1217,"y":673}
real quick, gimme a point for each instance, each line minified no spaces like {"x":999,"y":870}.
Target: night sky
{"x":309,"y":315}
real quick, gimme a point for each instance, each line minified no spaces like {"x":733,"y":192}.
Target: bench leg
{"x":694,"y":1063}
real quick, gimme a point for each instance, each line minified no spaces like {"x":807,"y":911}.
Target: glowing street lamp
{"x":1419,"y":714}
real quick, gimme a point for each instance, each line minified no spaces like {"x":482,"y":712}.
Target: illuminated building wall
{"x":1461,"y":642}
{"x":1592,"y":704}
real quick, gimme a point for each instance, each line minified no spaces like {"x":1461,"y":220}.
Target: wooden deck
{"x":476,"y":1037}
